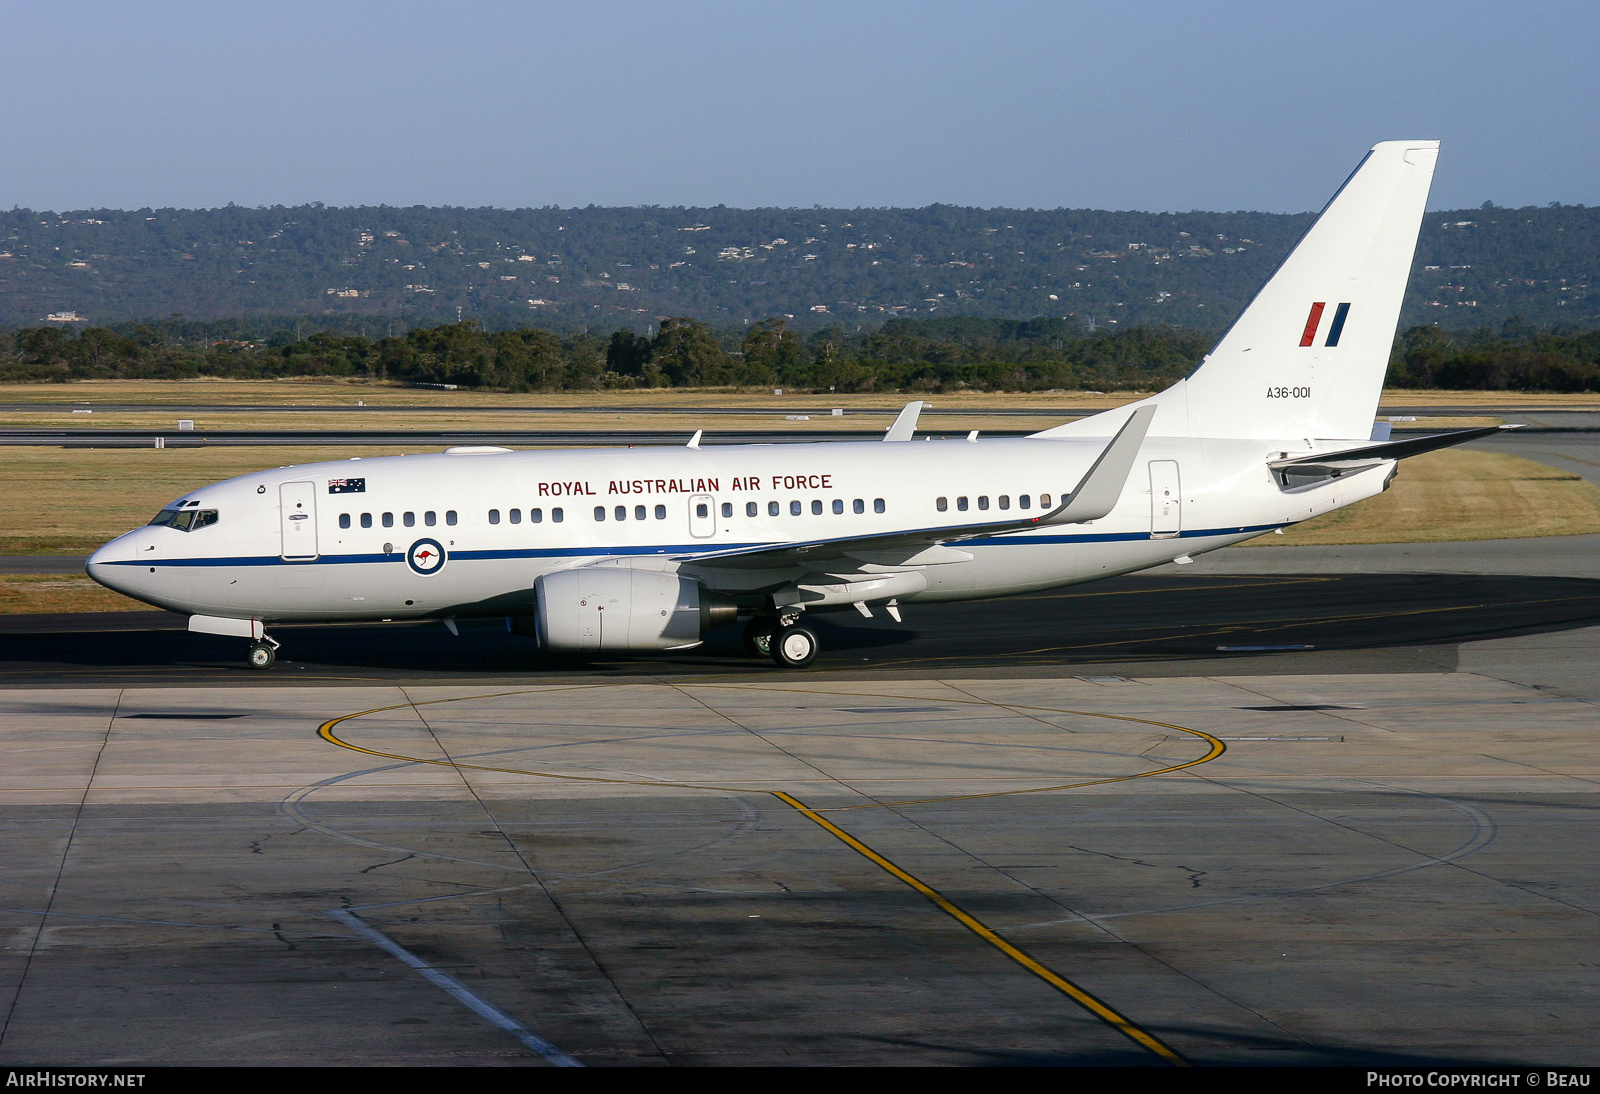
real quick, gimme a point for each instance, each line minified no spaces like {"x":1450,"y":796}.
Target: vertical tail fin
{"x":1308,"y":356}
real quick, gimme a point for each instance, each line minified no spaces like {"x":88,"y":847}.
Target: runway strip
{"x":1088,"y":1001}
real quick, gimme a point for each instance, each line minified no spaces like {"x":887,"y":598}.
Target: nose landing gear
{"x":263,"y":653}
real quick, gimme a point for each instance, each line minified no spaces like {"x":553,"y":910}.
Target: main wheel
{"x":758,"y":635}
{"x":262,"y":656}
{"x":794,"y":647}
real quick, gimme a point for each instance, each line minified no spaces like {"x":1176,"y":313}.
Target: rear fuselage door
{"x":1166,"y":501}
{"x":297,"y":519}
{"x":702,"y":516}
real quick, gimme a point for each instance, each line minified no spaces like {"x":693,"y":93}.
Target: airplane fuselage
{"x":466,"y":534}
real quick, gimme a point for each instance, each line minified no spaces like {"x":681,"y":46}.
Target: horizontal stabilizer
{"x":1330,"y":462}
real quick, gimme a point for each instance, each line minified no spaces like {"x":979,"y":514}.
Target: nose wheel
{"x":263,"y":653}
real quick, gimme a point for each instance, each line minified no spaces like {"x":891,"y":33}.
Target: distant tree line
{"x":932,"y":355}
{"x":1515,"y":358}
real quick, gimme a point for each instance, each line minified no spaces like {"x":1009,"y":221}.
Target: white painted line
{"x":455,"y":989}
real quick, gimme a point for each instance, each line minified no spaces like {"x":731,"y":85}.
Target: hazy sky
{"x":1152,"y":105}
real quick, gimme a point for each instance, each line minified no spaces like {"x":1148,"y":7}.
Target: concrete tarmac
{"x":1381,"y":869}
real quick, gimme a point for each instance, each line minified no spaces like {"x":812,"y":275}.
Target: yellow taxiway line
{"x":1084,"y":998}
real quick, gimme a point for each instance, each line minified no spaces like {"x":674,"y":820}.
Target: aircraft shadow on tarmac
{"x":1126,"y":620}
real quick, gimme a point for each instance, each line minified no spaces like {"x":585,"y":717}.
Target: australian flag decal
{"x":347,"y":486}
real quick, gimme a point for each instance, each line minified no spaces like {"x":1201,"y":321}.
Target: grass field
{"x":302,"y":392}
{"x":1458,"y":494}
{"x":271,"y":405}
{"x":50,"y":593}
{"x":69,"y":501}
{"x":63,"y":501}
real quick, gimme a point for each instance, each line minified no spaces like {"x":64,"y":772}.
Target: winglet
{"x":694,"y":442}
{"x":1102,"y":484}
{"x":906,"y":425}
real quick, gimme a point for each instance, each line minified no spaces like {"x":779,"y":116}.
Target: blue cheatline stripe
{"x":1115,"y":537}
{"x":608,"y":552}
{"x":399,"y":556}
{"x":1338,"y":324}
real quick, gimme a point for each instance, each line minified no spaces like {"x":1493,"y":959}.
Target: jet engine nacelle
{"x":615,"y":608}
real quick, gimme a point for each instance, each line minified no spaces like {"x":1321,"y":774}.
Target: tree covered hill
{"x":597,"y":269}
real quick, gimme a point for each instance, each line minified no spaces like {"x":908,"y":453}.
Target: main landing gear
{"x":263,"y":653}
{"x":794,"y":647}
{"x":782,"y":639}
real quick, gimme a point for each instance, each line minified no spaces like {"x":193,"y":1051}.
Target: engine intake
{"x":615,"y":608}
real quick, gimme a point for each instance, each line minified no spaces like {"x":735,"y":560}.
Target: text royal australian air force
{"x":708,"y":485}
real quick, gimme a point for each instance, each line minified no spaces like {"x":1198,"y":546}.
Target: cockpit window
{"x":186,"y":520}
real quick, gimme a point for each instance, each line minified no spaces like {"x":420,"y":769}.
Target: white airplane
{"x":649,"y":548}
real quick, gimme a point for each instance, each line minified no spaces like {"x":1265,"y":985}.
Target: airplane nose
{"x":104,"y":566}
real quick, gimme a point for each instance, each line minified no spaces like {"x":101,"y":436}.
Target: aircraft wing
{"x":1095,"y":496}
{"x":1333,"y":463}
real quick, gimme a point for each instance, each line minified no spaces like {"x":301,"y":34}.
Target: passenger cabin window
{"x":535,"y":516}
{"x":702,"y":510}
{"x":942,"y":504}
{"x":816,"y":508}
{"x":1005,"y":501}
{"x":877,"y":505}
{"x":494,"y":516}
{"x":557,"y":515}
{"x":727,"y":508}
{"x":661,"y":512}
{"x":516,"y":516}
{"x":983,"y":501}
{"x":599,"y":512}
{"x":1024,"y":501}
{"x":772,"y":509}
{"x":794,"y":509}
{"x":450,"y":517}
{"x":838,"y":505}
{"x":344,"y":520}
{"x":961,"y":504}
{"x":366,"y":520}
{"x":1044,"y":501}
{"x":858,"y":506}
{"x":410,"y":520}
{"x":751,"y":509}
{"x":622,"y":512}
{"x":638,"y":512}
{"x":429,"y":518}
{"x":388,"y":520}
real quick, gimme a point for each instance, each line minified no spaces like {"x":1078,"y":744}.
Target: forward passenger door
{"x":297,"y":519}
